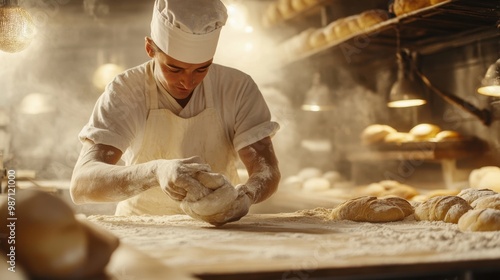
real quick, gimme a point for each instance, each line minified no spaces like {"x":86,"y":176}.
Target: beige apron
{"x":168,"y":136}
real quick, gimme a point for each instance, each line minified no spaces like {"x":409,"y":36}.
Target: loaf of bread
{"x":489,"y":201}
{"x":390,"y":188}
{"x":317,"y":38}
{"x":470,"y":195}
{"x":376,"y":133}
{"x":370,"y":18}
{"x":372,"y":209}
{"x":448,"y":135}
{"x":406,"y":6}
{"x":480,"y":220}
{"x":442,"y":208}
{"x":353,"y":24}
{"x":285,"y":8}
{"x":424,"y":131}
{"x":398,"y":137}
{"x":342,"y":29}
{"x":51,"y":243}
{"x":487,"y":177}
{"x":298,"y":5}
{"x":329,"y":31}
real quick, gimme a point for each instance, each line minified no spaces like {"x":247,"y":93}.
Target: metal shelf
{"x":432,"y":29}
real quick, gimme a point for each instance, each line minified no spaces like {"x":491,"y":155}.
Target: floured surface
{"x":292,"y":241}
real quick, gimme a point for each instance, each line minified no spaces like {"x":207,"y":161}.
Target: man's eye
{"x":174,"y":70}
{"x":201,"y":70}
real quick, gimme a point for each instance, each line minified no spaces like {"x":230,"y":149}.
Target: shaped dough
{"x":372,"y":209}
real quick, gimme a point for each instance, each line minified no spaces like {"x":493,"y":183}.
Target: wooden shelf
{"x":428,"y":150}
{"x":447,"y":24}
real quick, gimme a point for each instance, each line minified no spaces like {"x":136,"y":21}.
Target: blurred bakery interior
{"x":370,"y":94}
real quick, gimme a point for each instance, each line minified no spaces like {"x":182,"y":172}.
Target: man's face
{"x":179,"y":78}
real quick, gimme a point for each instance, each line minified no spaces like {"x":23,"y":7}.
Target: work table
{"x":306,"y":244}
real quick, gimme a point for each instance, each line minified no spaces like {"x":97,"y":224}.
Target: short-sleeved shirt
{"x":120,"y":114}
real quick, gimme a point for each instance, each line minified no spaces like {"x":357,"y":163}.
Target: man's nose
{"x":187,"y":80}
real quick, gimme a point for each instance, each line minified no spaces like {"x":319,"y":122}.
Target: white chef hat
{"x":188,"y":30}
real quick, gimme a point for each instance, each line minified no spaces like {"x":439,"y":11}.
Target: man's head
{"x":188,"y":30}
{"x":184,"y":37}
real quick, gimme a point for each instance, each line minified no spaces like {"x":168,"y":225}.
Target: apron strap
{"x":208,"y":89}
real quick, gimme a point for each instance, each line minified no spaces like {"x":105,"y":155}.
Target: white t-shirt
{"x":120,"y":114}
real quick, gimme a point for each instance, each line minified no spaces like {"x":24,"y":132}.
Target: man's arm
{"x":262,"y":166}
{"x":96,"y":178}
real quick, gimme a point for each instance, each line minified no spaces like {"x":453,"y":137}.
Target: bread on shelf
{"x":402,"y":7}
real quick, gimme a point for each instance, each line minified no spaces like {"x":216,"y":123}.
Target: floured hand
{"x":223,"y":204}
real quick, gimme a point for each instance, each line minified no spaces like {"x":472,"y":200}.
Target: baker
{"x":160,"y":123}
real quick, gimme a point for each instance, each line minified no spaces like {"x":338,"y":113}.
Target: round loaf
{"x":447,"y":135}
{"x":480,"y":220}
{"x":50,"y":243}
{"x":424,"y":131}
{"x":487,"y":177}
{"x":470,"y":195}
{"x":370,"y":18}
{"x":489,"y":201}
{"x":376,"y":133}
{"x":390,"y":188}
{"x":372,"y":209}
{"x":448,"y":209}
{"x":398,"y":137}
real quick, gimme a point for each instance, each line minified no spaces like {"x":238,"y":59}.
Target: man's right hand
{"x":177,"y":177}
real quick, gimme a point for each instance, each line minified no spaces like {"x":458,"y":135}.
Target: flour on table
{"x":297,"y":239}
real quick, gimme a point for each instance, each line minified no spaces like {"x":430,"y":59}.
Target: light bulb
{"x":16,"y":29}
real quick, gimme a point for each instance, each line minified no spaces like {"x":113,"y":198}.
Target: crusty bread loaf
{"x":442,"y":208}
{"x":398,"y":137}
{"x":470,"y":194}
{"x":424,"y":131}
{"x":480,"y":220}
{"x":353,"y":24}
{"x":406,"y":6}
{"x":376,"y":133}
{"x":342,"y":30}
{"x":390,"y":188}
{"x":51,"y":243}
{"x":447,"y":135}
{"x":370,"y":18}
{"x":372,"y":209}
{"x":486,"y":177}
{"x":329,"y":31}
{"x":489,"y":201}
{"x":317,"y":38}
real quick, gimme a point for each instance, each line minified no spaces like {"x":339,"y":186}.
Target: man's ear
{"x":148,"y":44}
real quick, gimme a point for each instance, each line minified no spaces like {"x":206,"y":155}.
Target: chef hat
{"x":188,"y":30}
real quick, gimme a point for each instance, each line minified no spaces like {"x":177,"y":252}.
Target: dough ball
{"x":309,"y":172}
{"x":398,"y":137}
{"x":293,"y":183}
{"x":50,"y":243}
{"x":448,"y":209}
{"x":333,"y":177}
{"x":489,"y":201}
{"x":470,"y":195}
{"x":372,"y":209}
{"x":447,"y":135}
{"x":316,"y":184}
{"x":215,"y":202}
{"x":211,"y":180}
{"x":424,"y":131}
{"x":370,"y":18}
{"x":480,"y":220}
{"x":376,"y":133}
